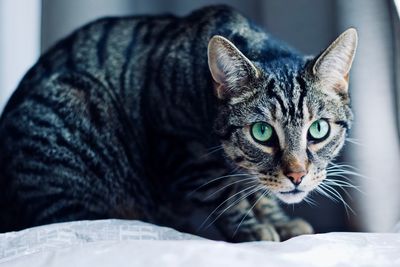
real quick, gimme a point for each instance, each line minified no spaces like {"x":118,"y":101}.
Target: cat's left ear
{"x":332,"y":67}
{"x":232,"y":72}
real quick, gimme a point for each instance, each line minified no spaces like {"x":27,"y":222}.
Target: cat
{"x":165,"y":118}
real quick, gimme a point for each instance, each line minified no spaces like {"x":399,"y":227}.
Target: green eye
{"x":261,"y":131}
{"x":319,"y":129}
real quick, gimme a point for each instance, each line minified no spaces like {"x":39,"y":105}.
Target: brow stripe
{"x":303,"y":94}
{"x":272,"y":95}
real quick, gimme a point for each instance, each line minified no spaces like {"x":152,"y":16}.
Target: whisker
{"x":336,"y":194}
{"x":322,"y":192}
{"x":232,"y":196}
{"x":235,"y":169}
{"x":252,"y":189}
{"x":341,"y":183}
{"x":334,"y":175}
{"x":344,"y":169}
{"x":310,"y":201}
{"x":212,"y":150}
{"x":342,"y":166}
{"x":344,"y":182}
{"x":335,"y":197}
{"x":230,"y":184}
{"x":235,"y":203}
{"x":248,"y":212}
{"x":219,"y":178}
{"x":354,"y":141}
{"x":349,"y":173}
{"x":342,"y":187}
{"x":213,"y":147}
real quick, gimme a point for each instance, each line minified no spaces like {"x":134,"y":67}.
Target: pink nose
{"x":296,"y":177}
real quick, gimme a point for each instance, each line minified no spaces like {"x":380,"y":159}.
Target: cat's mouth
{"x":294,"y":191}
{"x":292,"y":196}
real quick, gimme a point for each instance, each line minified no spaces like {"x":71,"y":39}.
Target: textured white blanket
{"x":134,"y":243}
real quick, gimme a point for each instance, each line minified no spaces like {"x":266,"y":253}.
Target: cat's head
{"x":283,"y":120}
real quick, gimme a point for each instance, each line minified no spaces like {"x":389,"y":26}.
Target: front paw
{"x":259,"y":232}
{"x":293,"y":228}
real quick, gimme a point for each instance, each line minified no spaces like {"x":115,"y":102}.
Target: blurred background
{"x":30,"y":27}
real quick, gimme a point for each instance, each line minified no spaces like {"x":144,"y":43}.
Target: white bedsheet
{"x":134,"y":243}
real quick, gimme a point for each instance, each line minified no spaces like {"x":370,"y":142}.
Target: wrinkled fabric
{"x":134,"y":243}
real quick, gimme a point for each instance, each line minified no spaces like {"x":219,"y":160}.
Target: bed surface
{"x":134,"y":243}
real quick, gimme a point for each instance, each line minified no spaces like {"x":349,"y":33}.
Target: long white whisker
{"x":230,"y":184}
{"x":328,"y":175}
{"x":213,"y":147}
{"x":347,"y":172}
{"x":212,"y":151}
{"x":342,"y":167}
{"x":341,"y":183}
{"x":342,"y":187}
{"x":235,"y":203}
{"x":336,"y":194}
{"x":248,"y":212}
{"x":354,"y":141}
{"x":321,"y":190}
{"x":337,"y":180}
{"x":219,"y":178}
{"x":255,"y":189}
{"x":310,"y":201}
{"x":232,"y":196}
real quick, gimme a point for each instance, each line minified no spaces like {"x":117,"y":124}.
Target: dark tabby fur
{"x":123,"y":119}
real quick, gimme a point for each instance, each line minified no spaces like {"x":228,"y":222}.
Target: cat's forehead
{"x":289,"y":98}
{"x":284,"y":67}
{"x":284,"y":75}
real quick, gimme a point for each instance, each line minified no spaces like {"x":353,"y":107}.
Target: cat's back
{"x":75,"y":123}
{"x":115,"y":49}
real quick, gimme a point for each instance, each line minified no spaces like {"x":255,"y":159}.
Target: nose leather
{"x":296,"y":177}
{"x":294,"y":167}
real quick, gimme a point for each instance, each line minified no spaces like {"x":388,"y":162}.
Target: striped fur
{"x":123,"y":119}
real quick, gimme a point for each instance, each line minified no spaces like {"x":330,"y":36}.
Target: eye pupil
{"x":261,"y":131}
{"x":318,"y":130}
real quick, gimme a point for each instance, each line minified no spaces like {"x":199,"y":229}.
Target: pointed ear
{"x":230,"y":69}
{"x":332,"y":67}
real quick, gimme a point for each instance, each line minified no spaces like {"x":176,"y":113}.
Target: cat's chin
{"x":292,"y":197}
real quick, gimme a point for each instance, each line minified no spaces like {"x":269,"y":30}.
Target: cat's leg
{"x":268,"y":211}
{"x":238,"y":222}
{"x":228,"y":209}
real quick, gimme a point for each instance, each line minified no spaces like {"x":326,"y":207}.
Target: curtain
{"x":372,"y":80}
{"x":19,"y":42}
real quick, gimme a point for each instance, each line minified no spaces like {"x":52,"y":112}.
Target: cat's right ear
{"x":332,"y":67}
{"x":230,"y":69}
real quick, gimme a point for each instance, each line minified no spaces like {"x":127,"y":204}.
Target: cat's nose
{"x":296,"y":177}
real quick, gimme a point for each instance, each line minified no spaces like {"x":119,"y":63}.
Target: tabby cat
{"x":165,"y":119}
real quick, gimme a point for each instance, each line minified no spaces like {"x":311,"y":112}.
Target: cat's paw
{"x":294,"y":228}
{"x":259,"y":232}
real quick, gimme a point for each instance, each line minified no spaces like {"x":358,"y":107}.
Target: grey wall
{"x":19,"y":42}
{"x":60,"y":17}
{"x":308,"y":24}
{"x":375,"y":128}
